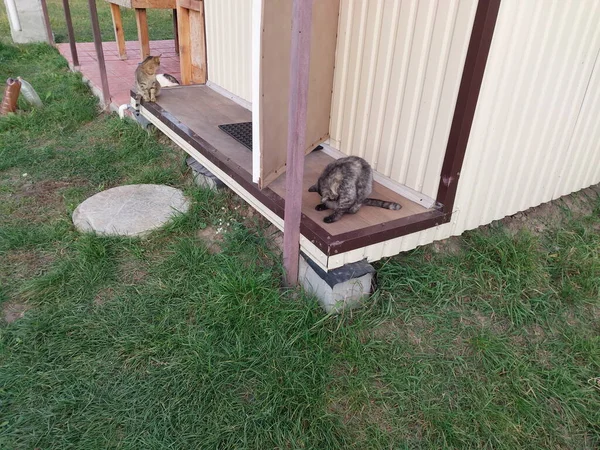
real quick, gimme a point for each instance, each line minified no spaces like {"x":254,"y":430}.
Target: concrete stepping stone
{"x":132,"y":210}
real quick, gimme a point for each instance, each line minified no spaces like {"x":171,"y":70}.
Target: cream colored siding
{"x":398,"y":70}
{"x":536,"y":131}
{"x":229,"y":45}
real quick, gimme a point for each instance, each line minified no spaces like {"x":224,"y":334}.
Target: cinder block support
{"x":339,"y":289}
{"x":203,"y":177}
{"x":26,"y":21}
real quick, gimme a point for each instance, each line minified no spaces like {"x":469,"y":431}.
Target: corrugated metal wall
{"x":536,"y":131}
{"x":398,"y":69}
{"x":229,"y":45}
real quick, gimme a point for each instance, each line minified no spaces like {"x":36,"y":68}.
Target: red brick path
{"x":120,"y":73}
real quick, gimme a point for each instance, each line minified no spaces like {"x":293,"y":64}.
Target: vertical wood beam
{"x":192,"y":42}
{"x":70,"y":32}
{"x":142,"y":28}
{"x":99,"y":52}
{"x":298,"y":106}
{"x":185,"y":58}
{"x":176,"y":31}
{"x":115,"y":11}
{"x":198,"y":47}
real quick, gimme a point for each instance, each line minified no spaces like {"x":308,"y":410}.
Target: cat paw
{"x":320,"y":207}
{"x":330,"y":219}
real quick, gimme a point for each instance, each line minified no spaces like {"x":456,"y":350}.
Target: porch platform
{"x":121,"y":78}
{"x":190,"y":116}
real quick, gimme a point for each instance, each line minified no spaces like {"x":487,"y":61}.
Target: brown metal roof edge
{"x":326,"y":242}
{"x":466,"y":102}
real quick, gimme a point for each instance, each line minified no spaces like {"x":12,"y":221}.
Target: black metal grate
{"x":241,"y":132}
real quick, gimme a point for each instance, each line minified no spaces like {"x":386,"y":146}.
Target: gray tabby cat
{"x":146,"y":84}
{"x":344,"y":186}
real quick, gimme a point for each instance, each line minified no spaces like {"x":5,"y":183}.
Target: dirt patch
{"x":103,"y":296}
{"x":23,"y":264}
{"x":14,"y":311}
{"x":132,"y":272}
{"x":212,"y":238}
{"x":552,"y":214}
{"x":37,"y":201}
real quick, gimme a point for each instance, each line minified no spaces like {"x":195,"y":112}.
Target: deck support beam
{"x":298,"y":106}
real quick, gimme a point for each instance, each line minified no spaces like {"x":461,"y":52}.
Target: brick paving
{"x":120,"y":72}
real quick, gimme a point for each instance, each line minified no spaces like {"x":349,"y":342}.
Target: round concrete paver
{"x":132,"y":210}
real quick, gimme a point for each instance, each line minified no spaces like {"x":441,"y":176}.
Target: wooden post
{"x":176,"y":31}
{"x":115,"y":11}
{"x":47,"y":23}
{"x":192,"y":41}
{"x":298,"y":106}
{"x":99,"y":52}
{"x":71,"y":33}
{"x":185,"y":57}
{"x":142,"y":27}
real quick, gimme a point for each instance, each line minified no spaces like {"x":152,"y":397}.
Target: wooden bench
{"x":140,"y":7}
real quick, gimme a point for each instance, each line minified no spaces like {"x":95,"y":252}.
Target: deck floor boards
{"x":200,"y":110}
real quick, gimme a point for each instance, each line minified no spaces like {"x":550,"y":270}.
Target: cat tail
{"x":381,"y":204}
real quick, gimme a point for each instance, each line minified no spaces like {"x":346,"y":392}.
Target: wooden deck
{"x":190,"y":115}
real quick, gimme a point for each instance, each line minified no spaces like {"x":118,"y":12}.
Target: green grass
{"x":160,"y":22}
{"x":162,"y":343}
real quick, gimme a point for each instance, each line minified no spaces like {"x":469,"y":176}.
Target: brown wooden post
{"x":71,"y":32}
{"x":141,"y":19}
{"x":115,"y":11}
{"x":176,"y":31}
{"x":47,"y":22}
{"x":298,"y":106}
{"x":99,"y":52}
{"x":192,"y":41}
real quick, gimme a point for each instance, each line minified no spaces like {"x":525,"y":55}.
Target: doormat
{"x":241,"y":132}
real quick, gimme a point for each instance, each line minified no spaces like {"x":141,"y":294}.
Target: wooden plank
{"x":142,"y":27}
{"x":296,"y":136}
{"x":185,"y":57}
{"x":198,"y":46}
{"x":175,"y":31}
{"x":275,"y":79}
{"x":195,"y":5}
{"x":145,"y":4}
{"x":115,"y":11}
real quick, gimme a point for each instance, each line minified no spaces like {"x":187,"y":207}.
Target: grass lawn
{"x":175,"y":342}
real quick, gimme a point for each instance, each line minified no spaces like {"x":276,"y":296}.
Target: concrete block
{"x":340,"y":289}
{"x":203,"y":177}
{"x":26,"y":21}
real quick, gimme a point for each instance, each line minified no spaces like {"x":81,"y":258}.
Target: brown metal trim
{"x":99,"y":52}
{"x":71,"y":32}
{"x":386,"y":231}
{"x":466,"y":102}
{"x":326,"y":242}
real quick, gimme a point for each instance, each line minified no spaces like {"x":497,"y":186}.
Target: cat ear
{"x":313,"y":188}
